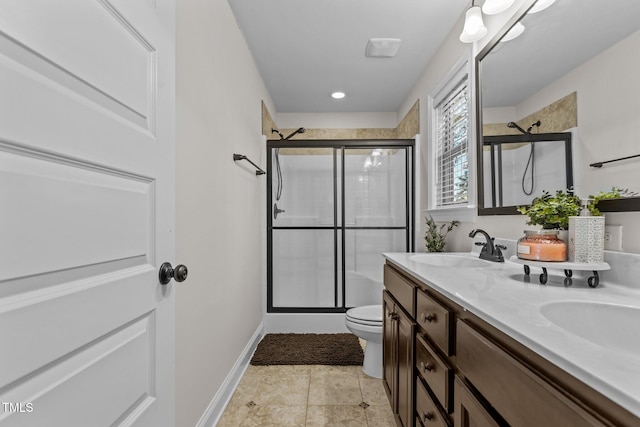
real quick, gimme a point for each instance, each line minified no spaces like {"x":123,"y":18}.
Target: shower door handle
{"x":276,"y":211}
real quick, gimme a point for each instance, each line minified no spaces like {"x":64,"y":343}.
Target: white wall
{"x":220,"y":204}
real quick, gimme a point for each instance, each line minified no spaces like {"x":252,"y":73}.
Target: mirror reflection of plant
{"x":435,"y":237}
{"x":615,"y":193}
{"x":553,"y":211}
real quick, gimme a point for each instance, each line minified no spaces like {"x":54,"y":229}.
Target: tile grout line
{"x":306,"y":409}
{"x":366,"y":417}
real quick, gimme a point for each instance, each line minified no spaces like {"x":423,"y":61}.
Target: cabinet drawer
{"x":402,"y":290}
{"x":518,"y":394}
{"x":469,"y":412}
{"x":434,"y":319}
{"x":426,"y":409}
{"x":436,"y":373}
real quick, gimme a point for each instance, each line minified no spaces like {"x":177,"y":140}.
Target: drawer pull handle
{"x":428,"y":317}
{"x":393,"y":315}
{"x":428,"y":416}
{"x":428,"y":367}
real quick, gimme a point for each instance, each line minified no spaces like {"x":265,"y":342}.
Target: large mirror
{"x":573,"y":70}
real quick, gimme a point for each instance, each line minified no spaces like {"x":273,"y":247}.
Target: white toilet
{"x":366,"y":322}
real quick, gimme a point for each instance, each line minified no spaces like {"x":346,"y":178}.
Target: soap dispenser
{"x":586,"y":236}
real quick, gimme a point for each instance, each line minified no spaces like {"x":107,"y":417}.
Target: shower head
{"x":515,"y":125}
{"x":295,"y":132}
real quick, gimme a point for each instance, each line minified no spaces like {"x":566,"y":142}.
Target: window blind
{"x":452,"y":166}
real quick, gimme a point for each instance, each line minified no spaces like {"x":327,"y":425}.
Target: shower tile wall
{"x":304,"y":259}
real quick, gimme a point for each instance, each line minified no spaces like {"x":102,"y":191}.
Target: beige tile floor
{"x":310,"y":395}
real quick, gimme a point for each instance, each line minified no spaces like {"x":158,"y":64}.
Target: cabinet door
{"x":405,"y":340}
{"x":389,"y":357}
{"x":469,"y":412}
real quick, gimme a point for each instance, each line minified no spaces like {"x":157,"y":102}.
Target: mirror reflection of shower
{"x":530,"y":167}
{"x":519,"y":167}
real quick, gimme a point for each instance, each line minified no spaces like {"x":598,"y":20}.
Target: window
{"x":452,"y":161}
{"x":452,"y":147}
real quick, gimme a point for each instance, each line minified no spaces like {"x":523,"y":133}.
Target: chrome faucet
{"x":489,"y":251}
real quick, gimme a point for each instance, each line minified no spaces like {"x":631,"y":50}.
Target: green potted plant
{"x":435,"y":237}
{"x":552,"y":212}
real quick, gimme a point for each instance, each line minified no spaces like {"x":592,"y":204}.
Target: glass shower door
{"x":333,"y":210}
{"x":377,"y":217}
{"x":304,"y":227}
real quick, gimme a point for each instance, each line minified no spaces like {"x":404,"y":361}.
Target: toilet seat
{"x":370,"y":315}
{"x":364,"y":322}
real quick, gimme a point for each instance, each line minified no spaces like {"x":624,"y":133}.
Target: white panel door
{"x":86,"y":212}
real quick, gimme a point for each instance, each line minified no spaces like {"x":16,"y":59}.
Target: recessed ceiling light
{"x":382,"y":48}
{"x":541,"y":5}
{"x":338,"y":95}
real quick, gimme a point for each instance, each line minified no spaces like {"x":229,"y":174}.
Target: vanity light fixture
{"x":541,"y":5}
{"x":514,"y":32}
{"x":474,"y":29}
{"x":493,"y":7}
{"x":338,"y":94}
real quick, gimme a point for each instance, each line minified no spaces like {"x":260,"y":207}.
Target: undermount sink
{"x":461,"y":260}
{"x":608,"y":325}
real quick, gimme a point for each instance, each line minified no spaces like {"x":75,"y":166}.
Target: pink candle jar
{"x":542,"y":245}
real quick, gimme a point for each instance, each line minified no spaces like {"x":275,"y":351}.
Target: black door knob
{"x":167,"y":272}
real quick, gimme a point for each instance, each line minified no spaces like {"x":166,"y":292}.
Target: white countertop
{"x":499,"y":295}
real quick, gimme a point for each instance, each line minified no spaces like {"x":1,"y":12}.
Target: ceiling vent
{"x":382,"y":48}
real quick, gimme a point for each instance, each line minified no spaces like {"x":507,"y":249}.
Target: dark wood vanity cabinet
{"x":465,"y":373}
{"x":398,"y":352}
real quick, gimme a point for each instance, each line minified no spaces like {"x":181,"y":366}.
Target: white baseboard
{"x":301,"y":323}
{"x":220,"y":401}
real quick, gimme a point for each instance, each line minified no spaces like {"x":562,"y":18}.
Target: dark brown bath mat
{"x":308,"y":349}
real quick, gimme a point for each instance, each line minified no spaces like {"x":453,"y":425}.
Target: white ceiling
{"x":305,"y":49}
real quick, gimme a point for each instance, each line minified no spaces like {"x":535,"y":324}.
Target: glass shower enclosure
{"x":333,"y":207}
